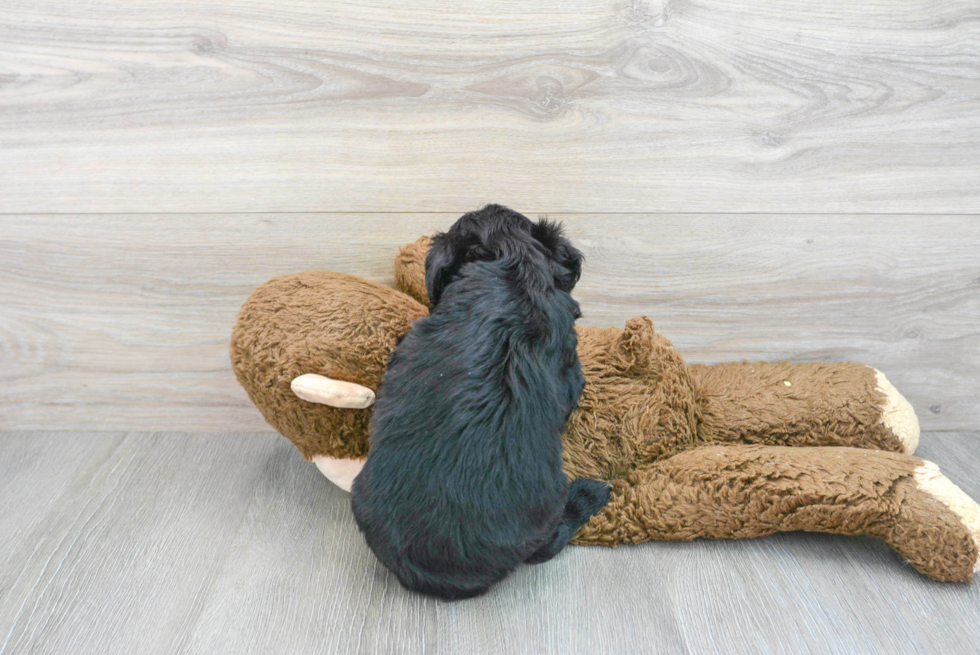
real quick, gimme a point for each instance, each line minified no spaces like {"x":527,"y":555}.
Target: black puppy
{"x":464,"y":480}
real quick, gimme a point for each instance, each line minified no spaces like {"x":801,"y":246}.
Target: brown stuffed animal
{"x":726,"y":451}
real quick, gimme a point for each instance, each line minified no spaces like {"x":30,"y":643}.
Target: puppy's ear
{"x":439,"y":266}
{"x":570,"y":266}
{"x":566,"y":257}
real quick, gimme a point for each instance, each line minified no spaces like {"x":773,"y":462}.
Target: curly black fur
{"x":464,"y":479}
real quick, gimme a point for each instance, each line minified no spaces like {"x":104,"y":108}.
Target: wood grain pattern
{"x":35,"y":468}
{"x":231,"y":543}
{"x":124,"y":560}
{"x":314,"y":586}
{"x":122,"y":322}
{"x":561,"y":105}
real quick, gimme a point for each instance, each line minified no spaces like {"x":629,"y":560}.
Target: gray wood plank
{"x":37,"y":468}
{"x":299,"y":578}
{"x":232,"y":543}
{"x":122,"y":322}
{"x":586,"y":600}
{"x":122,"y":562}
{"x":561,"y":105}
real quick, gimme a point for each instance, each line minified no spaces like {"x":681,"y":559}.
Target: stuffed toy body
{"x":725,"y":451}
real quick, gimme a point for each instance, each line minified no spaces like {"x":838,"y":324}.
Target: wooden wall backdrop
{"x":800,"y":182}
{"x":122,"y":322}
{"x":552,"y":105}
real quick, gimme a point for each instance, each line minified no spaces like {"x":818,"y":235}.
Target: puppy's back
{"x":464,"y":480}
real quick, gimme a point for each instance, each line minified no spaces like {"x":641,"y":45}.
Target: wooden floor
{"x":798,"y":182}
{"x":232,"y":543}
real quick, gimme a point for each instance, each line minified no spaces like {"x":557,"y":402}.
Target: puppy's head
{"x":498,"y":233}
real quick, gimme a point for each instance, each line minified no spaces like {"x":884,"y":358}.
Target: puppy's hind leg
{"x":586,"y":498}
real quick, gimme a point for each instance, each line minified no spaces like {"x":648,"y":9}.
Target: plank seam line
{"x":437,"y":213}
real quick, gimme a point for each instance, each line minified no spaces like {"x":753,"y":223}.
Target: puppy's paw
{"x":586,"y":498}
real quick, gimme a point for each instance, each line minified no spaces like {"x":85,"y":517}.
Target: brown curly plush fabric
{"x":410,"y":269}
{"x":772,"y":403}
{"x":733,"y":491}
{"x":734,"y":450}
{"x":332,"y":324}
{"x":643,"y":403}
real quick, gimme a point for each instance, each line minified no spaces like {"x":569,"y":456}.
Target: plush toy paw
{"x":898,"y":415}
{"x":334,"y":393}
{"x":340,"y":471}
{"x":937,"y":487}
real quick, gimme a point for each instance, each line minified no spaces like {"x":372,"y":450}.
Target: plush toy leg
{"x":733,"y":491}
{"x":334,"y":393}
{"x":339,"y":471}
{"x":897,"y":414}
{"x":818,"y":404}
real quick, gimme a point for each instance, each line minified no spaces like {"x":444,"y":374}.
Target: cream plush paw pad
{"x":339,"y":471}
{"x":898,"y":415}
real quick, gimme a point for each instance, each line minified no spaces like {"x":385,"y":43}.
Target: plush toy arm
{"x":410,"y":269}
{"x":334,"y":393}
{"x":818,"y":404}
{"x":735,"y":491}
